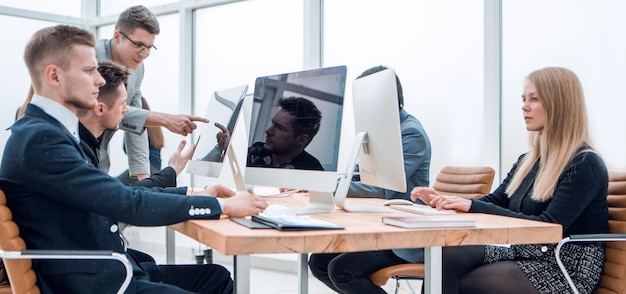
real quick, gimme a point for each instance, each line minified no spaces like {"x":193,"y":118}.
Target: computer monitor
{"x":223,"y":109}
{"x":378,"y":143}
{"x":278,"y":134}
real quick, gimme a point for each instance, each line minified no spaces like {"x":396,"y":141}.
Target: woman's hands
{"x":424,"y":193}
{"x":438,"y":201}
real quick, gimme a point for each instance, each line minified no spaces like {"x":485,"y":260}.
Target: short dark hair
{"x":378,"y":68}
{"x":307,"y":116}
{"x":54,"y":45}
{"x":137,"y":17}
{"x":114,"y":75}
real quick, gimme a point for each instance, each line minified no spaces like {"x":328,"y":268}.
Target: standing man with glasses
{"x":132,"y":42}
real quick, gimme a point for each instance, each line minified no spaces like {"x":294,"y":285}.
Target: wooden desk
{"x":363,"y":231}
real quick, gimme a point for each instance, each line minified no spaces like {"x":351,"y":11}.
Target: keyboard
{"x":422,"y":209}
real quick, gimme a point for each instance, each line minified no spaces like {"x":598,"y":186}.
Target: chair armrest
{"x":67,"y":254}
{"x":380,"y":277}
{"x":582,"y":238}
{"x":597,"y":237}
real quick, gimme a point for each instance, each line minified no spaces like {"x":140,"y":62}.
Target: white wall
{"x":436,"y":49}
{"x":584,"y":36}
{"x":14,"y":79}
{"x":255,"y":44}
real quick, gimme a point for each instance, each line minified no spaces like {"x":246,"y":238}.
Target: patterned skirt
{"x":583,"y":262}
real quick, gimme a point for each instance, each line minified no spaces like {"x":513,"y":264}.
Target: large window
{"x":109,"y":7}
{"x":68,"y":7}
{"x":436,"y":49}
{"x":235,"y":43}
{"x":587,"y":37}
{"x":15,"y":80}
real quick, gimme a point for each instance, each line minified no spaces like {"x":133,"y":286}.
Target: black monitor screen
{"x":296,"y":120}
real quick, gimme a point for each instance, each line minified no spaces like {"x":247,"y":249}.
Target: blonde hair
{"x":29,"y":97}
{"x":565,"y":132}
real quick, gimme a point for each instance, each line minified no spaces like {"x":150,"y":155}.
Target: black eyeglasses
{"x":138,"y":45}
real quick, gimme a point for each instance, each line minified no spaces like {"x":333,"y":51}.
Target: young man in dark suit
{"x":59,"y":200}
{"x":106,"y":116}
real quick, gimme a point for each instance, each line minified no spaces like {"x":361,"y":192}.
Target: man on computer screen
{"x":292,"y":129}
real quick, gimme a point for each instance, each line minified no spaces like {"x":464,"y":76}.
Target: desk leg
{"x":303,"y":274}
{"x":170,"y":246}
{"x":242,"y":274}
{"x":432,"y":281}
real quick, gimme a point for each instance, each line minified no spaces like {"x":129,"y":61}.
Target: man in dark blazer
{"x":59,"y":200}
{"x":109,"y":111}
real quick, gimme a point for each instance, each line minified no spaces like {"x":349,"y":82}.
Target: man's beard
{"x":81,"y":103}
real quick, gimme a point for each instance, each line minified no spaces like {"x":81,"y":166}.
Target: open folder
{"x":294,"y":222}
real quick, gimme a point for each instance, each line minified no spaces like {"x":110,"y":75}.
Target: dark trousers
{"x":205,"y":278}
{"x":349,"y":272}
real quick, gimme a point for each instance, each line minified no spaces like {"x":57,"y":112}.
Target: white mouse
{"x":276,"y":209}
{"x":397,"y":202}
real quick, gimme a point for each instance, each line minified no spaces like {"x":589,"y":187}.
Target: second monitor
{"x":222,"y":112}
{"x":378,"y":144}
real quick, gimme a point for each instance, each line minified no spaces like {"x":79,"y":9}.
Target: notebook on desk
{"x":294,"y":222}
{"x":422,"y":209}
{"x":247,"y":222}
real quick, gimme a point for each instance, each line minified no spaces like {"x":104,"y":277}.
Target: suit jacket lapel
{"x":38,"y":113}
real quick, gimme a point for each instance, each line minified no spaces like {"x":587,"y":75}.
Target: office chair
{"x":17,"y":260}
{"x":466,"y":182}
{"x":614,"y":268}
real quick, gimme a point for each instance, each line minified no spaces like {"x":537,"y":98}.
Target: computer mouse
{"x":397,"y":202}
{"x":276,"y":209}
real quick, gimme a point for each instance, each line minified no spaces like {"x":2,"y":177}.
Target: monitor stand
{"x":319,"y":202}
{"x":235,"y":168}
{"x":341,"y":194}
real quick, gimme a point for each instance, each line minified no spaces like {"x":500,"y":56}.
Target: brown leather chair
{"x":467,"y":182}
{"x":614,"y":269}
{"x":17,"y":260}
{"x":5,"y":288}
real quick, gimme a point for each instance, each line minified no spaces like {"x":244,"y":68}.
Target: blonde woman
{"x":561,"y":179}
